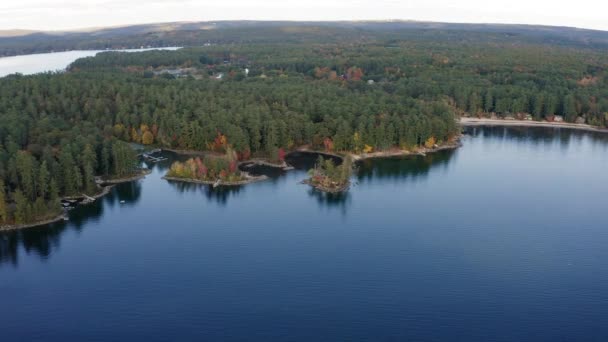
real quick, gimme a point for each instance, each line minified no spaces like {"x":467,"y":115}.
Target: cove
{"x":503,"y":239}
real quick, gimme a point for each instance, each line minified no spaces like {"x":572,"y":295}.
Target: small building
{"x":509,"y":117}
{"x":558,"y":118}
{"x":370,"y":82}
{"x":528,"y":117}
{"x":580,"y":120}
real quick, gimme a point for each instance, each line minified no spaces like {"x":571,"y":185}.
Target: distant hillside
{"x":15,"y":42}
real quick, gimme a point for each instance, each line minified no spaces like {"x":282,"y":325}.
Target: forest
{"x":259,"y":99}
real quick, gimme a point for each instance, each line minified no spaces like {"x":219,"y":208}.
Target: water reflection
{"x":411,"y":167}
{"x":536,"y":135}
{"x":220,"y":195}
{"x":42,"y":241}
{"x":303,"y":160}
{"x":328,"y":200}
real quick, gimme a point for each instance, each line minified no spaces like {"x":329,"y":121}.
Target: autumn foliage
{"x":281,"y":154}
{"x":328,"y":144}
{"x":329,"y":176}
{"x":220,"y":142}
{"x":209,"y":168}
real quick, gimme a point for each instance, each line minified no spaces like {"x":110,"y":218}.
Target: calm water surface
{"x":52,"y":61}
{"x":504,"y":239}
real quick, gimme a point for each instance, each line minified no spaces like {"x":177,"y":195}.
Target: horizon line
{"x":28,"y":31}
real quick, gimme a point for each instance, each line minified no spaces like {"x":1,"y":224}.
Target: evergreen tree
{"x":22,"y":209}
{"x":3,"y":204}
{"x":43,"y":180}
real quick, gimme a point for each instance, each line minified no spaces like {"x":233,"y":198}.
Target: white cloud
{"x":70,"y":14}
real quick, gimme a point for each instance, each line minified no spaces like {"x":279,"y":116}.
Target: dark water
{"x":505,"y":239}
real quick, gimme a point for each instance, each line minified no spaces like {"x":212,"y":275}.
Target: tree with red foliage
{"x":281,"y":154}
{"x":233,"y":166}
{"x":328,"y":143}
{"x":245,"y":155}
{"x":354,"y":74}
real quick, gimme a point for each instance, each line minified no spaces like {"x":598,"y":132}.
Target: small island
{"x":213,"y":170}
{"x":328,"y":177}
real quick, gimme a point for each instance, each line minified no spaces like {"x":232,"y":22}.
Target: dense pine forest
{"x":60,"y":130}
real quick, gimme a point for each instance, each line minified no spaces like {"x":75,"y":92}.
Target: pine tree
{"x":43,"y":180}
{"x":105,"y":158}
{"x":22,"y":210}
{"x":3,"y":204}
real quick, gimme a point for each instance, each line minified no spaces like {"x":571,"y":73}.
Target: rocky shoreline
{"x":404,"y":153}
{"x":329,"y":190}
{"x":248,"y":180}
{"x":57,"y":218}
{"x":108,"y":184}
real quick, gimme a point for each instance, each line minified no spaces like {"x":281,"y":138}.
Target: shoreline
{"x":57,"y":218}
{"x":404,"y":153}
{"x":262,"y":162}
{"x":324,"y":189}
{"x":526,"y":123}
{"x":141,"y":175}
{"x":249,"y":179}
{"x":105,"y":189}
{"x":107,"y":185}
{"x":245,"y":163}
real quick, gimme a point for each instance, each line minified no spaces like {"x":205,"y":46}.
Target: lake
{"x":52,"y":61}
{"x":504,"y":239}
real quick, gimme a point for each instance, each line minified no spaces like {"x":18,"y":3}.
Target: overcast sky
{"x":72,"y":14}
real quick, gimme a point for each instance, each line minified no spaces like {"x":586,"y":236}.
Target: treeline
{"x":255,"y":115}
{"x":35,"y":174}
{"x":475,"y":79}
{"x":248,"y":32}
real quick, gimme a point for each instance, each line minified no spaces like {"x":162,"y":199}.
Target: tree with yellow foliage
{"x":135,"y":137}
{"x":147,"y":138}
{"x":357,"y":142}
{"x":430,"y":142}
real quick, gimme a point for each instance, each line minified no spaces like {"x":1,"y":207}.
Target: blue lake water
{"x":504,"y":239}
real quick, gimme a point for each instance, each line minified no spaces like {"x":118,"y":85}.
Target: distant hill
{"x":15,"y":42}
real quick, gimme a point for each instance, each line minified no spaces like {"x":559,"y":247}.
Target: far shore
{"x":527,"y":123}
